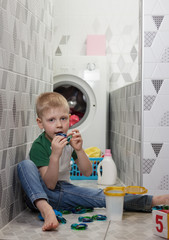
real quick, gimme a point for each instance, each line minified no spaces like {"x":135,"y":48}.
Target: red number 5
{"x":159,"y":222}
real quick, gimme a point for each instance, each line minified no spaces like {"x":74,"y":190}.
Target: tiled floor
{"x":133,"y":226}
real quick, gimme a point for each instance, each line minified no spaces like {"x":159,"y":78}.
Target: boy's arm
{"x":49,"y":173}
{"x":82,"y":161}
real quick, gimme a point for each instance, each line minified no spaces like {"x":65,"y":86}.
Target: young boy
{"x":45,"y":177}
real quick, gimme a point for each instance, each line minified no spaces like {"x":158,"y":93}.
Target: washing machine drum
{"x":79,"y":95}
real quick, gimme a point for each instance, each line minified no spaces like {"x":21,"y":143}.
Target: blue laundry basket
{"x":76,"y":175}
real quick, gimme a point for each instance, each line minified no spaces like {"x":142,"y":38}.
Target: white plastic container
{"x":108,"y":175}
{"x":114,"y":202}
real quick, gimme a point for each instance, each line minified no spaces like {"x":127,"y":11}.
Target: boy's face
{"x":53,"y":121}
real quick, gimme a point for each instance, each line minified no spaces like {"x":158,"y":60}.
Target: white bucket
{"x":114,"y":202}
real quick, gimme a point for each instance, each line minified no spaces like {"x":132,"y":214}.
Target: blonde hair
{"x":49,"y":100}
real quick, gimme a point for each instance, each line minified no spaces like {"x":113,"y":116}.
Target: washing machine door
{"x":80,"y":97}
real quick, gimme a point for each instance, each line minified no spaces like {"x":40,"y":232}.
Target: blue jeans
{"x":66,"y":195}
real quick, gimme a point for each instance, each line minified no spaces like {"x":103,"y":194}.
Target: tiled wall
{"x":156,"y":96}
{"x":126,"y":112}
{"x":125,"y":132}
{"x":25,"y":71}
{"x":117,"y":20}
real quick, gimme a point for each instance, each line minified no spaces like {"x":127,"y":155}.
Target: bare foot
{"x":50,"y":220}
{"x":160,"y":200}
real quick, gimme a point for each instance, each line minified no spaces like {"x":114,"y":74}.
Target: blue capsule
{"x":85,"y":219}
{"x":64,"y":135}
{"x":99,"y":217}
{"x":61,"y":134}
{"x":81,"y":226}
{"x":61,"y":219}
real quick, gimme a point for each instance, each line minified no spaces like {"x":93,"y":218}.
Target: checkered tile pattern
{"x":148,"y":38}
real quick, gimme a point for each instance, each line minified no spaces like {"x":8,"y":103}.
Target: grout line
{"x":121,"y":182}
{"x":107,"y":230}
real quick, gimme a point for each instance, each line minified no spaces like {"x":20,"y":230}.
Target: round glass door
{"x":78,"y":102}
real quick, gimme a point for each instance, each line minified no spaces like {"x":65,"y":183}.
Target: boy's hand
{"x":76,"y":141}
{"x":82,"y":161}
{"x":58,"y":143}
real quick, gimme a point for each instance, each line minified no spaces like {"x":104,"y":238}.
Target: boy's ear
{"x":39,"y":122}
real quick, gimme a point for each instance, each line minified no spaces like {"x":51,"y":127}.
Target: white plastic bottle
{"x":108,"y":175}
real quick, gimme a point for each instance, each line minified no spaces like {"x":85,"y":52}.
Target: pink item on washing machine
{"x":96,"y":45}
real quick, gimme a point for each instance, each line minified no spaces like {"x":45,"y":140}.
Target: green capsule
{"x":61,"y":219}
{"x":89,"y":209}
{"x":66,"y":212}
{"x":99,"y":217}
{"x":81,"y":226}
{"x":69,"y":138}
{"x":85,"y":219}
{"x":165,"y":207}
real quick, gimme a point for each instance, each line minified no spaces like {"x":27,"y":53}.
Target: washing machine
{"x":83,"y":81}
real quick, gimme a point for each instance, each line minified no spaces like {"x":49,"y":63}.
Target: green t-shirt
{"x":40,"y":151}
{"x":40,"y":154}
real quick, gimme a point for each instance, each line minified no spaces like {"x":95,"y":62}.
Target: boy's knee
{"x":25,"y":163}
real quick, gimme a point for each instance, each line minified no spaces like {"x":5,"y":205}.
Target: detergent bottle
{"x":108,"y":174}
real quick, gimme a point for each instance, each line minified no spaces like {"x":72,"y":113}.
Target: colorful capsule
{"x":66,"y":211}
{"x":80,"y":210}
{"x":61,"y":219}
{"x":89,"y":209}
{"x":61,"y":134}
{"x":81,"y":226}
{"x":69,"y":138}
{"x":99,"y":217}
{"x":157,"y":208}
{"x":85,"y":219}
{"x":64,"y":135}
{"x":165,"y":207}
